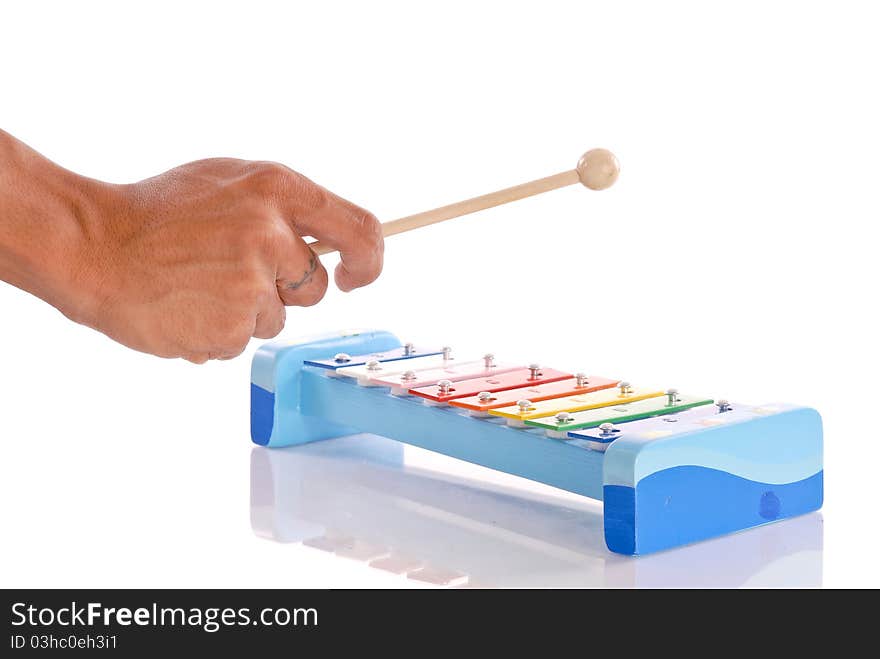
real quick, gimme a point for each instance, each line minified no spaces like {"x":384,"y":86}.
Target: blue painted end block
{"x":667,"y":492}
{"x":276,"y":373}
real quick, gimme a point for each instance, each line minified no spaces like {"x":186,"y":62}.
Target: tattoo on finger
{"x":307,"y":276}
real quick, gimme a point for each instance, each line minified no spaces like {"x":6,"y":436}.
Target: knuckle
{"x":312,"y":298}
{"x":277,"y":237}
{"x":265,"y":233}
{"x":236,"y":336}
{"x":275,"y":329}
{"x":313,"y":293}
{"x":269,"y":169}
{"x":250,"y":287}
{"x":239,"y":341}
{"x":372,"y":244}
{"x":233,"y":353}
{"x":270,"y":322}
{"x":280,"y":320}
{"x":312,"y":197}
{"x":369,"y":230}
{"x":269,"y":177}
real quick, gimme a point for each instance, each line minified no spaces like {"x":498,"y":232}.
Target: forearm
{"x":44,"y":211}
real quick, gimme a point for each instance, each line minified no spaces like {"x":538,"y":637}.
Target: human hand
{"x":194,"y":262}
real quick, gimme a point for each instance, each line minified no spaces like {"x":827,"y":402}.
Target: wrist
{"x":76,"y":285}
{"x":49,"y":218}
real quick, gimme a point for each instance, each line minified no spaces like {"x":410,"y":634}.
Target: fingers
{"x":357,"y":235}
{"x":270,"y":320}
{"x":297,"y":278}
{"x":273,"y":250}
{"x":362,"y":256}
{"x":301,"y":280}
{"x":351,"y":230}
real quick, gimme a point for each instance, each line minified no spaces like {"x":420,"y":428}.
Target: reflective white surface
{"x":357,"y":497}
{"x":736,"y":257}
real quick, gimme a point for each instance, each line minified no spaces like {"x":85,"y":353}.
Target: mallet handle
{"x":468,"y":206}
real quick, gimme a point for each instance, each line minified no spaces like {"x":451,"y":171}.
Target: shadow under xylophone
{"x":671,"y":469}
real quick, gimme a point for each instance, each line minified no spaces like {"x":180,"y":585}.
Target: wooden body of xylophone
{"x":670,"y":468}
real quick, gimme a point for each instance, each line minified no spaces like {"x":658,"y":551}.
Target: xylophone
{"x":670,"y":468}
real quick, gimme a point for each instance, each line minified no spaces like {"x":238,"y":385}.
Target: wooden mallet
{"x":597,"y":169}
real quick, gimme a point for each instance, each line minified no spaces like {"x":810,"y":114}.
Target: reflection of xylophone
{"x":671,"y":468}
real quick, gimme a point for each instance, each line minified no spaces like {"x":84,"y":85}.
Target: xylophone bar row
{"x":531,"y":396}
{"x":480,"y":405}
{"x":692,"y":418}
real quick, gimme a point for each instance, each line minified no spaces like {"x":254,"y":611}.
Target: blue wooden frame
{"x":658,"y":493}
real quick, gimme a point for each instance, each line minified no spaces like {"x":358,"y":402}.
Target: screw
{"x":524,"y":405}
{"x":672,"y":396}
{"x":625,"y":388}
{"x":534,"y":371}
{"x":445,"y":386}
{"x":564,"y":417}
{"x":447,"y":353}
{"x":373,"y":365}
{"x":606,"y":429}
{"x":341,"y":358}
{"x":409,"y":349}
{"x":484,"y":396}
{"x":489,"y":360}
{"x":723,"y":405}
{"x":581,"y":379}
{"x":408,"y":376}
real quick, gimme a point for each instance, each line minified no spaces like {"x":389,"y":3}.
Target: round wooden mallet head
{"x":598,"y":169}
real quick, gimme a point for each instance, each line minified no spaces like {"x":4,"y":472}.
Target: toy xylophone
{"x":671,"y":468}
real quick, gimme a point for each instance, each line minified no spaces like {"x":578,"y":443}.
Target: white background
{"x":735,"y":257}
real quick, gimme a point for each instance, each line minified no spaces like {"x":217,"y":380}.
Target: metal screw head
{"x":723,"y":405}
{"x":408,"y":376}
{"x":672,"y":395}
{"x":374,"y":365}
{"x":341,"y":358}
{"x":484,"y":396}
{"x":447,"y":352}
{"x":563,"y":417}
{"x":489,"y":360}
{"x":445,"y":386}
{"x":625,"y":388}
{"x":409,"y":349}
{"x":581,"y":379}
{"x":524,"y":405}
{"x":606,"y":428}
{"x":534,"y":370}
